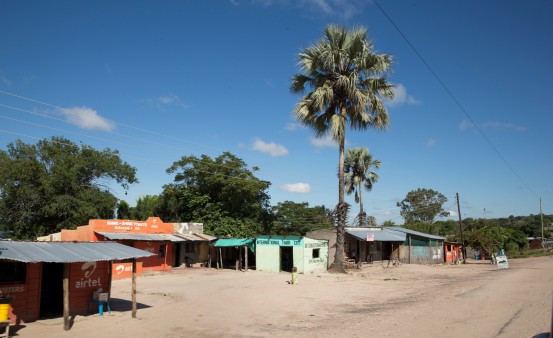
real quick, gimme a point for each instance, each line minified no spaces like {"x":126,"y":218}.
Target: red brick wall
{"x":25,"y":305}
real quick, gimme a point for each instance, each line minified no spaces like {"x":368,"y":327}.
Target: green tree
{"x":389,"y":223}
{"x":222,"y":193}
{"x":56,"y":185}
{"x":124,"y":210}
{"x":490,"y":238}
{"x":292,"y":218}
{"x":422,"y":205}
{"x":347,"y":80}
{"x":146,"y":206}
{"x":358,"y":175}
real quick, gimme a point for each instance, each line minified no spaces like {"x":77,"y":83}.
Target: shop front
{"x":283,"y":253}
{"x":40,"y":277}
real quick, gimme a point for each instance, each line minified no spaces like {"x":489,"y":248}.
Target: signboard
{"x":370,"y":237}
{"x":502,"y":262}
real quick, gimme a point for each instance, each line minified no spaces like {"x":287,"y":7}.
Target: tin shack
{"x":40,"y":276}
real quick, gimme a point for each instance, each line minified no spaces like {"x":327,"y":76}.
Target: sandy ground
{"x":472,"y":300}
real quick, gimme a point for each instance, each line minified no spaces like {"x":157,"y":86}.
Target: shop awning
{"x":226,"y":242}
{"x":68,"y":252}
{"x":234,"y":242}
{"x":140,"y":237}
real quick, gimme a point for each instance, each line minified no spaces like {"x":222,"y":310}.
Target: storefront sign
{"x":316,"y":245}
{"x":12,"y":289}
{"x":88,"y":280}
{"x":279,"y":242}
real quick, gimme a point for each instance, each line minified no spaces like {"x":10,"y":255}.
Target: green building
{"x":282,"y":253}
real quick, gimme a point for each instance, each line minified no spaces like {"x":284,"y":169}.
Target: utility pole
{"x":542,"y":239}
{"x":463,"y":248}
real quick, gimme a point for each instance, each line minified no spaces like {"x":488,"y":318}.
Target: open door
{"x":286,"y":258}
{"x":51,"y":290}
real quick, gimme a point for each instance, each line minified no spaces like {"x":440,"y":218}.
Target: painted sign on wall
{"x":279,"y":241}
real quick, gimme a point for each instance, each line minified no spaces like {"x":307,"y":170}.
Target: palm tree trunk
{"x":360,"y":198}
{"x":341,"y":208}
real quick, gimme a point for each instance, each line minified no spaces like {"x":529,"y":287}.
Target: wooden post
{"x":66,"y":312}
{"x":409,"y":249}
{"x":237,"y":259}
{"x":221,"y":257}
{"x":110,"y":276}
{"x":208,"y":256}
{"x":246,"y":257}
{"x":133,"y":292}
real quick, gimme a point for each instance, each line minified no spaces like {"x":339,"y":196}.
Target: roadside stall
{"x":54,"y":279}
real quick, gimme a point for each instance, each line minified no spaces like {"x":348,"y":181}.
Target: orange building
{"x":452,"y":252}
{"x":152,"y":235}
{"x":32,"y":276}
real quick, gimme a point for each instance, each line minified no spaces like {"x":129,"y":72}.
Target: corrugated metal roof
{"x":68,"y":252}
{"x":195,"y":237}
{"x":379,"y":235}
{"x":141,"y":237}
{"x":413,"y":232}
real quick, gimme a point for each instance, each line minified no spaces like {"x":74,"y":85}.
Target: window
{"x":161,"y":252}
{"x":13,"y":272}
{"x":316,"y":253}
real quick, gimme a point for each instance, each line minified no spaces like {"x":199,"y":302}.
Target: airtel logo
{"x":88,"y":268}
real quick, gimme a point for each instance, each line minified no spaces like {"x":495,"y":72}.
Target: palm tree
{"x":358,"y":175}
{"x":347,"y":80}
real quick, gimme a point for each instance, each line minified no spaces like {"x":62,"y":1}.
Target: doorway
{"x":286,"y":258}
{"x":51,"y":290}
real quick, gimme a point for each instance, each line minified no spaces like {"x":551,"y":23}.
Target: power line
{"x":443,"y":85}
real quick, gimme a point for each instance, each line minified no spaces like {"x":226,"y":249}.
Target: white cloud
{"x":325,"y":141}
{"x":465,"y":124}
{"x":86,"y":118}
{"x":271,"y":148}
{"x":431,"y":142}
{"x":401,"y":97}
{"x":300,"y":188}
{"x":162,"y":102}
{"x":343,"y":9}
{"x":235,"y":2}
{"x":452,"y":213}
{"x":292,"y":126}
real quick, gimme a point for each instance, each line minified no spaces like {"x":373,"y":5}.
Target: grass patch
{"x":529,"y":253}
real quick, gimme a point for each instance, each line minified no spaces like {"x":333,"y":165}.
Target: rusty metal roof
{"x":68,"y":252}
{"x":196,"y":237}
{"x":141,"y":237}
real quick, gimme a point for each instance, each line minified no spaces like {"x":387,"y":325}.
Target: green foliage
{"x":292,"y":218}
{"x":146,"y":206}
{"x":358,"y":166}
{"x":389,"y":223}
{"x":422,"y":205}
{"x":221,"y":193}
{"x":56,"y":185}
{"x":489,"y":239}
{"x":448,"y":229}
{"x":124,"y":210}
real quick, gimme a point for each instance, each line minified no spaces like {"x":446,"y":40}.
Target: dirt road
{"x":472,"y":300}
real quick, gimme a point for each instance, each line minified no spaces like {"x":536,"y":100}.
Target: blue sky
{"x":158,"y":80}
